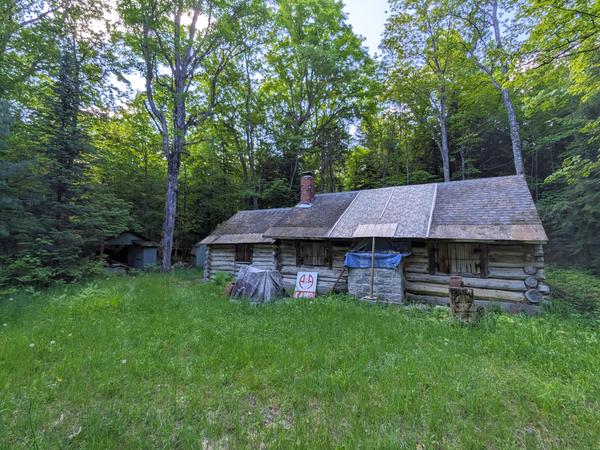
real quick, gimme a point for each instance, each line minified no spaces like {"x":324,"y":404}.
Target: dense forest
{"x":166,"y":116}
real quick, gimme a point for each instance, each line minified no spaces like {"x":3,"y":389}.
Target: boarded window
{"x":458,"y":258}
{"x":243,"y":253}
{"x":313,"y":253}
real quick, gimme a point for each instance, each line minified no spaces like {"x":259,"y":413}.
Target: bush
{"x":221,"y":278}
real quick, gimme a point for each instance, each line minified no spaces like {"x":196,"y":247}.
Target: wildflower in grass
{"x":123,"y":361}
{"x":32,"y":345}
{"x":52,"y":342}
{"x":5,"y":324}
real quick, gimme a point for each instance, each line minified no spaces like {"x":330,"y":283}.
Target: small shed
{"x":198,"y":255}
{"x":132,"y":250}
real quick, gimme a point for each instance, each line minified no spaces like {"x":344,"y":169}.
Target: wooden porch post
{"x":372,"y":266}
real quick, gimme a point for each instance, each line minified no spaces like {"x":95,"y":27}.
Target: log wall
{"x":515,"y":281}
{"x":327,"y":277}
{"x":221,"y":258}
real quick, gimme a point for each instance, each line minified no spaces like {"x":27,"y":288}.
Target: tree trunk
{"x":513,"y":123}
{"x":174,"y":163}
{"x":515,"y":136}
{"x":170,"y":212}
{"x":444,"y":132}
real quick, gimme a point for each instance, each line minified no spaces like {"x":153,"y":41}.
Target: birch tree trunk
{"x":444,"y":132}
{"x":515,"y":136}
{"x":513,"y":123}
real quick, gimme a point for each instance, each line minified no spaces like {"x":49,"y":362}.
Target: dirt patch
{"x":273,"y":417}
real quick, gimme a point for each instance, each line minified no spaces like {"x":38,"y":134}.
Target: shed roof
{"x":129,"y":238}
{"x":488,"y":209}
{"x":246,"y":227}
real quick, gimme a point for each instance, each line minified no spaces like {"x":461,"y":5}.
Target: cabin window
{"x":313,"y":253}
{"x":458,"y":259}
{"x":243,"y":253}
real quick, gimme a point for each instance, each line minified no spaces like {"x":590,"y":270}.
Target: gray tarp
{"x":258,"y":285}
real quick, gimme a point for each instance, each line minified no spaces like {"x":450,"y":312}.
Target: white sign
{"x":306,"y":285}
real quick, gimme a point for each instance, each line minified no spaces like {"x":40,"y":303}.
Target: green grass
{"x":164,"y":361}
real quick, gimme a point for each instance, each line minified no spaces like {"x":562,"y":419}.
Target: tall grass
{"x":164,"y":361}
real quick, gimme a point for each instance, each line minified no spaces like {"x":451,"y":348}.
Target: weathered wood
{"x":442,"y":291}
{"x":483,"y":283}
{"x":506,"y":264}
{"x":510,"y":248}
{"x":207,"y":263}
{"x":430,"y":299}
{"x":507,"y":273}
{"x":530,"y":270}
{"x":540,"y":275}
{"x":531,"y":281}
{"x":496,"y":253}
{"x":543,"y":288}
{"x":534,"y":296}
{"x":483,"y":260}
{"x":503,"y":306}
{"x":431,"y":259}
{"x":416,"y":267}
{"x":494,"y":258}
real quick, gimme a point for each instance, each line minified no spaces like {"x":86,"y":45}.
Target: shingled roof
{"x":314,"y":221}
{"x":395,"y":212}
{"x":487,"y":209}
{"x":499,"y":208}
{"x":246,"y":227}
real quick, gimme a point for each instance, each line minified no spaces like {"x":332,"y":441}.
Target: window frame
{"x":443,"y":265}
{"x":248,"y":253}
{"x":302,"y":245}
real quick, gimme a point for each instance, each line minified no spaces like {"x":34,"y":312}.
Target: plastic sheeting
{"x":258,"y":285}
{"x":362,"y":260}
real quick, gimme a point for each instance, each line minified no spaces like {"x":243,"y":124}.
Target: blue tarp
{"x":362,"y":260}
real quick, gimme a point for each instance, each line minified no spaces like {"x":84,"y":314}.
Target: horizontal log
{"x":507,"y":273}
{"x":495,"y":258}
{"x":487,"y":304}
{"x":506,"y":264}
{"x":430,"y":299}
{"x":504,"y":255}
{"x":484,"y":294}
{"x":416,"y":268}
{"x":514,"y":248}
{"x":484,"y":283}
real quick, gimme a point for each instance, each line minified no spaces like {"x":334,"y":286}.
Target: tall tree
{"x":420,"y":38}
{"x":494,"y":35}
{"x":184,"y":46}
{"x":319,"y":75}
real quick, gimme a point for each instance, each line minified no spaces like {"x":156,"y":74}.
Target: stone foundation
{"x":388,"y":285}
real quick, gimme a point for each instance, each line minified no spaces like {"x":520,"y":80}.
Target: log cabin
{"x":485,"y":230}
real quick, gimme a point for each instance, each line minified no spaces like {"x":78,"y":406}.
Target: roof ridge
{"x":470,"y":180}
{"x":432,"y":210}
{"x":343,"y":213}
{"x":265,"y":209}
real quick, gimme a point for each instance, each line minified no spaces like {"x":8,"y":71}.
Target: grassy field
{"x":164,"y":361}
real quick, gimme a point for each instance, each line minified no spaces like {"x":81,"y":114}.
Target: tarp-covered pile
{"x":362,"y":260}
{"x":258,"y":285}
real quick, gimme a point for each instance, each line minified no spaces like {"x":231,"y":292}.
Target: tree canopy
{"x":165,"y":117}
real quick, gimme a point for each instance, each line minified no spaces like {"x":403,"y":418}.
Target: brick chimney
{"x":307,"y":189}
